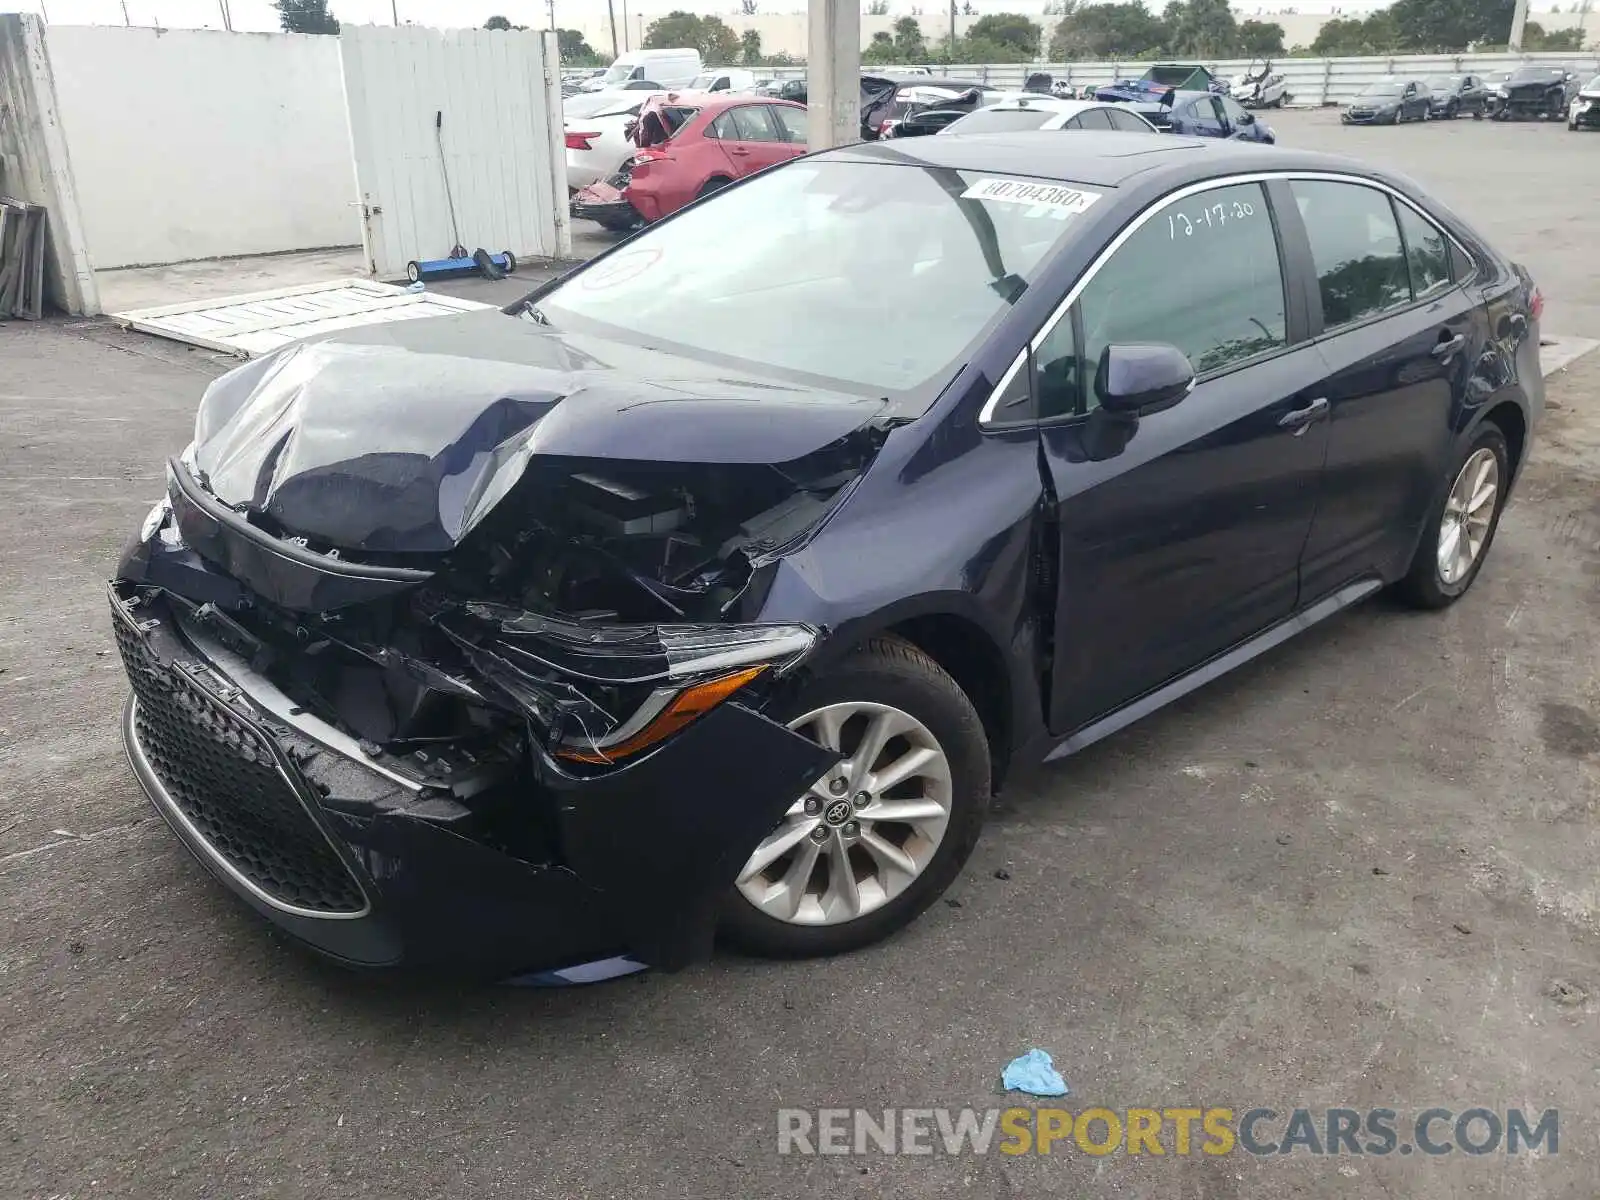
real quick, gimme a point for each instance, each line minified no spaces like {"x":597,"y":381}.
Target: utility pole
{"x":1519,"y":21}
{"x":950,"y":50}
{"x":227,"y":17}
{"x":611,"y":11}
{"x":126,"y":20}
{"x":551,"y":4}
{"x":394,"y":10}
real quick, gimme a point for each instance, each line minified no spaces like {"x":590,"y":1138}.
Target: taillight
{"x":1536,"y":304}
{"x":580,"y":141}
{"x":644,"y":158}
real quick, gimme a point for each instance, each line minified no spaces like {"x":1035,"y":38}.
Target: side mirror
{"x":1141,"y":379}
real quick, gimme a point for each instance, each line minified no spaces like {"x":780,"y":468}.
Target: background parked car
{"x":1259,"y":86}
{"x":1533,"y":92}
{"x":1205,"y":114}
{"x":1020,"y":113}
{"x":1451,"y":95}
{"x":1162,"y":78}
{"x":1584,"y":111}
{"x":597,"y":126}
{"x":723,"y":79}
{"x":927,"y":105}
{"x":1389,"y":102}
{"x":673,"y":68}
{"x":688,"y":147}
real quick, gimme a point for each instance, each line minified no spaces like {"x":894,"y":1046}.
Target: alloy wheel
{"x":862,"y":833}
{"x":1468,"y":512}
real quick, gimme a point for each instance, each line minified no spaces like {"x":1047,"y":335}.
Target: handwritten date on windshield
{"x":1182,"y":225}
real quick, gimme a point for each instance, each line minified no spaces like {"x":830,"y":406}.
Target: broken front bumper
{"x":382,"y":862}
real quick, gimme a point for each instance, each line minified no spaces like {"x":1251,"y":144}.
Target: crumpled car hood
{"x":401,"y":437}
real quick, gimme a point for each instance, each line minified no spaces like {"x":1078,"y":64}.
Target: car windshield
{"x":618,"y":72}
{"x":1593,"y":85}
{"x":1382,"y":89}
{"x":1442,"y":83}
{"x":802,"y":270}
{"x":1536,"y":75}
{"x":703,"y":83}
{"x":1005,"y":120}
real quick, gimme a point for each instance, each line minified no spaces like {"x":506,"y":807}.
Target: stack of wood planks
{"x":22,"y":230}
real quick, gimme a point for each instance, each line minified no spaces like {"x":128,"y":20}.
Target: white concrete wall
{"x":191,"y":144}
{"x":34,"y":163}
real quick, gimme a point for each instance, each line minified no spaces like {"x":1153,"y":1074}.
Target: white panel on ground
{"x":259,"y":323}
{"x":481,"y":106}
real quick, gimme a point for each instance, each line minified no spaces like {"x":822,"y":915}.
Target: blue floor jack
{"x":479,"y":262}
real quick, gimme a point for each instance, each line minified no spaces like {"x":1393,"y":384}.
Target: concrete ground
{"x":1360,"y":872}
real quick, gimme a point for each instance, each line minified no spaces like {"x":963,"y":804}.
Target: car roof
{"x":1100,"y":159}
{"x":716,"y":101}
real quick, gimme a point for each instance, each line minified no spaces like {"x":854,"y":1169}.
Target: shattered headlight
{"x":604,"y":693}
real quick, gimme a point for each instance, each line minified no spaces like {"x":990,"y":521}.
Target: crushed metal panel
{"x":261,"y":322}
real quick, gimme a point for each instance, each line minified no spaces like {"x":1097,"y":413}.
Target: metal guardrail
{"x":1312,"y":81}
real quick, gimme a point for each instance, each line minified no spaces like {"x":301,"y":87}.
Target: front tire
{"x":1462,"y":526}
{"x":911,"y":796}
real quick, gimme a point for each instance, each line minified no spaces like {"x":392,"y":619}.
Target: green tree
{"x":1127,"y":30}
{"x":1344,"y":37}
{"x":750,"y":47}
{"x":710,"y":35}
{"x":1201,"y":28}
{"x":497,"y":23}
{"x":1536,"y":37}
{"x":881,"y":50}
{"x":1263,"y":38}
{"x":908,"y":40}
{"x":878,"y":8}
{"x":574,"y":50}
{"x":1432,"y":25}
{"x":305,"y":16}
{"x":1007,"y":29}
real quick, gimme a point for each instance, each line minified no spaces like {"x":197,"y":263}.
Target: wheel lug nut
{"x":851,"y":829}
{"x":836,"y":787}
{"x":813,"y":806}
{"x":819,"y":834}
{"x":862,"y":799}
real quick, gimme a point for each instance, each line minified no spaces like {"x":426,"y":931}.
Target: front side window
{"x":1355,"y":245}
{"x":1202,"y":274}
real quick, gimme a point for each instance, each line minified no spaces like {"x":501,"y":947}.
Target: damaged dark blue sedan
{"x":693,"y":594}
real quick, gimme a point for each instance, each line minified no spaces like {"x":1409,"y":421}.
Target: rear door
{"x":1400,"y":336}
{"x":751,"y":138}
{"x":791,"y":125}
{"x":1208,"y":119}
{"x":1184,"y":539}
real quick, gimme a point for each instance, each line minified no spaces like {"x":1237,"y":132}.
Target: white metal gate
{"x":492,"y":98}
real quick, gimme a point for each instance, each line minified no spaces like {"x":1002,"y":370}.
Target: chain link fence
{"x":1312,"y":81}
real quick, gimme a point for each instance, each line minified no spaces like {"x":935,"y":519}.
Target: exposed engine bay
{"x":573,"y":603}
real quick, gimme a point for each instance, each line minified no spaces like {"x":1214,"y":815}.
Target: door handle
{"x":1446,"y":350}
{"x":740,"y":151}
{"x":1301,"y":419}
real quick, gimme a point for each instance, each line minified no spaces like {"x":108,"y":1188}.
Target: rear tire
{"x":1426,"y":584}
{"x":890,"y":675}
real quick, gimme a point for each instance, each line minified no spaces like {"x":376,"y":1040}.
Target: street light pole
{"x":611,"y":11}
{"x":394,"y":10}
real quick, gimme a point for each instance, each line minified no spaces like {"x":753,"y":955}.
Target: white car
{"x":1017,"y":113}
{"x":597,"y":134}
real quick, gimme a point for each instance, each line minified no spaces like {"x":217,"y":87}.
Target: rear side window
{"x":1427,"y":253}
{"x":1094,"y":118}
{"x":1355,"y":245}
{"x":1202,"y":274}
{"x":1126,"y":122}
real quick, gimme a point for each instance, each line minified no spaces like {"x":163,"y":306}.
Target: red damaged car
{"x":691,"y":145}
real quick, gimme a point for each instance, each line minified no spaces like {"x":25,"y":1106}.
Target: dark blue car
{"x":1205,"y":114}
{"x":689,"y":594}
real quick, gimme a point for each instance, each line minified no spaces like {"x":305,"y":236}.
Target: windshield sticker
{"x":1043,"y":199}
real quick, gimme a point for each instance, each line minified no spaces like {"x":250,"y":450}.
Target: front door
{"x":1187,"y":539}
{"x":1401,"y":340}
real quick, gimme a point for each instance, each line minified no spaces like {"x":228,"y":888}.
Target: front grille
{"x":221,"y":773}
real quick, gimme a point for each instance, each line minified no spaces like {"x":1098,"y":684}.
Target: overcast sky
{"x":259,"y":14}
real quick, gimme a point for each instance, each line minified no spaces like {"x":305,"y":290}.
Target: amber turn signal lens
{"x":684,"y":708}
